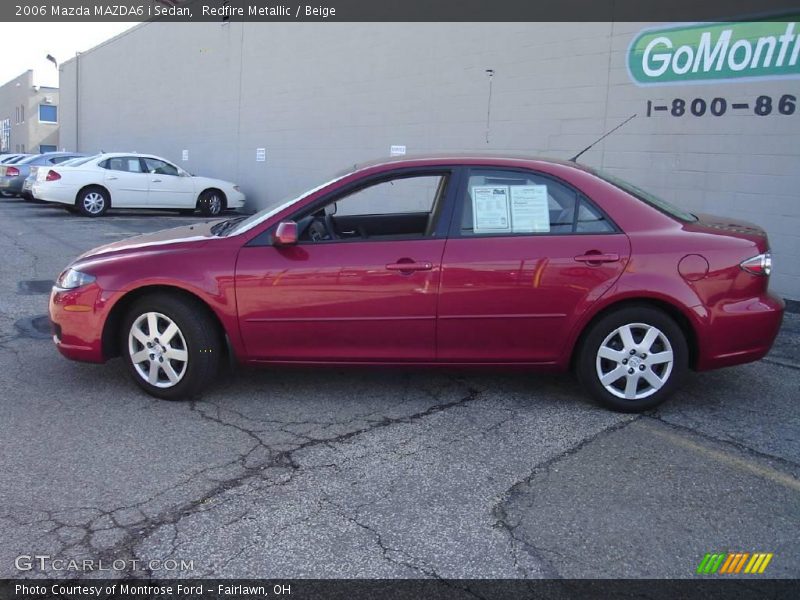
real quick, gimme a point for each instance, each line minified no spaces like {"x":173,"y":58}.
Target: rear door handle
{"x":597,"y":257}
{"x":111,"y":178}
{"x":156,"y":181}
{"x":410,"y":266}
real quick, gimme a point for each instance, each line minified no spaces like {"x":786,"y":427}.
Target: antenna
{"x":604,"y":136}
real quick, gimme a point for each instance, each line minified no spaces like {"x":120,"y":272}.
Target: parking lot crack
{"x":504,"y":523}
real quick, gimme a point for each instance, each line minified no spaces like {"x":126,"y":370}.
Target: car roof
{"x":103,"y":155}
{"x":466,"y":158}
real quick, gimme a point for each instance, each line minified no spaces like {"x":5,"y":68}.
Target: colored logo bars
{"x":734,"y":562}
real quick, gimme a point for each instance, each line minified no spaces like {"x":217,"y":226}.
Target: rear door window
{"x":126,"y":164}
{"x":500,"y":202}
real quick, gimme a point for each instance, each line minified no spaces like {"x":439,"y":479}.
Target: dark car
{"x":16,"y":178}
{"x":445,"y":261}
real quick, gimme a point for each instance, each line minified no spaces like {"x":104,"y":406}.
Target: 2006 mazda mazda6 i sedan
{"x":479,"y":261}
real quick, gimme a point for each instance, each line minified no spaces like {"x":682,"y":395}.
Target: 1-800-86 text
{"x":717,"y":107}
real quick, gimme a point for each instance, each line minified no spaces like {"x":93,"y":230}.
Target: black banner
{"x":375,"y":11}
{"x":404,"y":589}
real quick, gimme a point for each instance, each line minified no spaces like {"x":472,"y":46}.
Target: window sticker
{"x":490,"y":209}
{"x":529,"y":209}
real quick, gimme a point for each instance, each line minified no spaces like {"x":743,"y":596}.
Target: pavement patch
{"x":648,"y":501}
{"x":37,"y":328}
{"x":31,"y":287}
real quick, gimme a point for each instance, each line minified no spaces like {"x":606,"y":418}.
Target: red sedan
{"x":451,"y":261}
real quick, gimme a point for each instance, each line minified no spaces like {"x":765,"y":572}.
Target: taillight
{"x":758,"y":265}
{"x":12,"y":172}
{"x":52,"y":176}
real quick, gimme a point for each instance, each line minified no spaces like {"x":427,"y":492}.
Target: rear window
{"x":647,"y":197}
{"x":78,"y":161}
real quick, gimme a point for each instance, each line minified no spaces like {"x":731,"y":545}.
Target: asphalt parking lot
{"x":391,"y":473}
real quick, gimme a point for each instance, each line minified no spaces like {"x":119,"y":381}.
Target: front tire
{"x":633,"y":359}
{"x":171,"y":346}
{"x":93,"y":201}
{"x":211,"y":203}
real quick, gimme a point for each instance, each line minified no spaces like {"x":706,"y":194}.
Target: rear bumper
{"x":12,"y":185}
{"x":740,"y":332}
{"x":53,"y":193}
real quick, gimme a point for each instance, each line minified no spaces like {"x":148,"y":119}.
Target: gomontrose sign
{"x":716,"y":51}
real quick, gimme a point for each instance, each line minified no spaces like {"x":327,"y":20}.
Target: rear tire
{"x":171,"y":345}
{"x":633,"y":359}
{"x":211,"y":203}
{"x":92,"y":201}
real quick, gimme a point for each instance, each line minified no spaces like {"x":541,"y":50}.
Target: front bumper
{"x":78,"y":317}
{"x":740,"y":332}
{"x":235,"y":199}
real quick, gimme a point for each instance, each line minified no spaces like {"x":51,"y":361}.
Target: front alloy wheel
{"x":158,"y":350}
{"x":172,"y":345}
{"x":633,"y":358}
{"x":211,"y":203}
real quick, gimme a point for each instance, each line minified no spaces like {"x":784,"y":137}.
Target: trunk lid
{"x":735,"y":228}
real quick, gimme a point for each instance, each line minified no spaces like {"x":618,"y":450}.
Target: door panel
{"x":171,"y":191}
{"x":126,"y":182}
{"x":168,"y":189}
{"x":514,"y":299}
{"x":341,"y":301}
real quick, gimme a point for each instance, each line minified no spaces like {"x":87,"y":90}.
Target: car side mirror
{"x":285,"y":234}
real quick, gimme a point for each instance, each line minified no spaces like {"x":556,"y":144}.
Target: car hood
{"x":188,"y":234}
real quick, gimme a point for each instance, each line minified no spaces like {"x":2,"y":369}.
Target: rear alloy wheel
{"x":171,"y":346}
{"x":92,"y":202}
{"x":211,"y":203}
{"x":633,"y":359}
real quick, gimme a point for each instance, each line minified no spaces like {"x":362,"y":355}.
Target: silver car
{"x":16,"y":178}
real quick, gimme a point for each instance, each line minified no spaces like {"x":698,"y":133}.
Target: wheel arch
{"x":213,"y":189}
{"x":676,"y":313}
{"x":110,"y":336}
{"x":93,"y":185}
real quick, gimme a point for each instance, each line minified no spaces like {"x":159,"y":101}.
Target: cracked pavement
{"x":376,"y":473}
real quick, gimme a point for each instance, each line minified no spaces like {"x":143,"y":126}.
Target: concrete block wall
{"x":320,"y":97}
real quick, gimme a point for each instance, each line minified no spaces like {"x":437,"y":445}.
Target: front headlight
{"x":71,"y":279}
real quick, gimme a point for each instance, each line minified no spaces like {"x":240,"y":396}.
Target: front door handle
{"x":597,"y":257}
{"x":156,"y":181}
{"x":409,"y":266}
{"x":111,"y":178}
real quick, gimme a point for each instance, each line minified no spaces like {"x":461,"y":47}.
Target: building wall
{"x":19,"y":103}
{"x":322,"y":96}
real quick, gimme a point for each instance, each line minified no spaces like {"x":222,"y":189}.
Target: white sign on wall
{"x":185,"y":155}
{"x":261,"y":154}
{"x":397,"y":150}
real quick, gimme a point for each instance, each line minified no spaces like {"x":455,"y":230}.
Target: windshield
{"x":647,"y":197}
{"x":265,"y":214}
